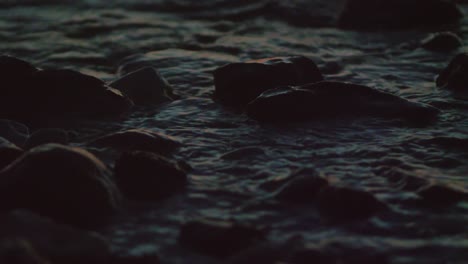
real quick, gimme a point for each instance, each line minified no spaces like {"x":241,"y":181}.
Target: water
{"x":186,"y":41}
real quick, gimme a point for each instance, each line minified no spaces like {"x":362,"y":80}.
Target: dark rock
{"x":139,"y":139}
{"x":57,"y":242}
{"x":8,"y":153}
{"x":442,"y":42}
{"x":455,"y":76}
{"x":303,"y":189}
{"x":73,"y":92}
{"x":398,"y":14}
{"x":13,"y":131}
{"x":148,"y":176}
{"x":28,"y":93}
{"x":219,"y":238}
{"x":340,"y":203}
{"x":145,"y":259}
{"x":19,"y":251}
{"x":334,"y":99}
{"x":145,"y":86}
{"x":47,"y":135}
{"x":68,"y":184}
{"x":440,"y":195}
{"x":240,"y":83}
{"x":133,"y":63}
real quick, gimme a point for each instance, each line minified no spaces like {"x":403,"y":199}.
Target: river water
{"x":237,"y":162}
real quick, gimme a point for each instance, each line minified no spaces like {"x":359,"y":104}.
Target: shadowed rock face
{"x":455,"y":76}
{"x":398,"y":14}
{"x":239,"y":83}
{"x":442,"y":42}
{"x":219,"y":238}
{"x":27,"y":93}
{"x":68,"y":184}
{"x":8,"y":152}
{"x":334,"y":99}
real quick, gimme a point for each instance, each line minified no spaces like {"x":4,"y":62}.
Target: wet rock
{"x":334,"y":99}
{"x":73,"y":92}
{"x":8,"y":153}
{"x":147,"y":176}
{"x":398,"y":14}
{"x":67,"y":184}
{"x":139,"y":139}
{"x":439,"y":195}
{"x":145,"y":86}
{"x":45,"y":136}
{"x":13,"y":131}
{"x":219,"y":238}
{"x":57,"y":242}
{"x":19,"y":251}
{"x":240,"y":83}
{"x":303,"y":189}
{"x":442,"y":42}
{"x":341,"y":203}
{"x":454,"y":77}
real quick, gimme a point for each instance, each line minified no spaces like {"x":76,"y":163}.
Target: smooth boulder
{"x":65,"y":183}
{"x":8,"y":153}
{"x":148,"y":176}
{"x":435,"y":194}
{"x":343,"y":203}
{"x":139,"y":139}
{"x":56,"y":242}
{"x":145,"y":86}
{"x":398,"y":14}
{"x":455,"y":76}
{"x":334,"y":99}
{"x":442,"y":42}
{"x":239,"y":83}
{"x":219,"y":238}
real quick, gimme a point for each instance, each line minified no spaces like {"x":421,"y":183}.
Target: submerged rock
{"x":68,"y":184}
{"x":139,"y":139}
{"x":455,"y":76}
{"x":57,"y":242}
{"x":442,"y":42}
{"x":147,"y":176}
{"x":302,"y":190}
{"x":145,"y":86}
{"x":240,"y":83}
{"x":45,"y":136}
{"x":219,"y":238}
{"x":13,"y":131}
{"x":8,"y":153}
{"x":398,"y":14}
{"x":333,"y":99}
{"x":341,"y":203}
{"x":19,"y":251}
{"x":439,"y":194}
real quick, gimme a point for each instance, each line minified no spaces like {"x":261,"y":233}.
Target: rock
{"x":57,"y":242}
{"x":29,"y":93}
{"x":442,"y":42}
{"x":73,"y":92}
{"x":219,"y":238}
{"x":440,"y":195}
{"x":455,"y":76}
{"x":13,"y":131}
{"x":67,"y":184}
{"x":139,"y":139}
{"x":147,"y":176}
{"x":397,"y":14}
{"x":18,"y":251}
{"x":8,"y":153}
{"x":145,"y":259}
{"x":145,"y":86}
{"x":334,"y":99}
{"x":133,"y":63}
{"x":45,"y":136}
{"x":341,"y":203}
{"x":240,"y":83}
{"x":303,"y":189}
